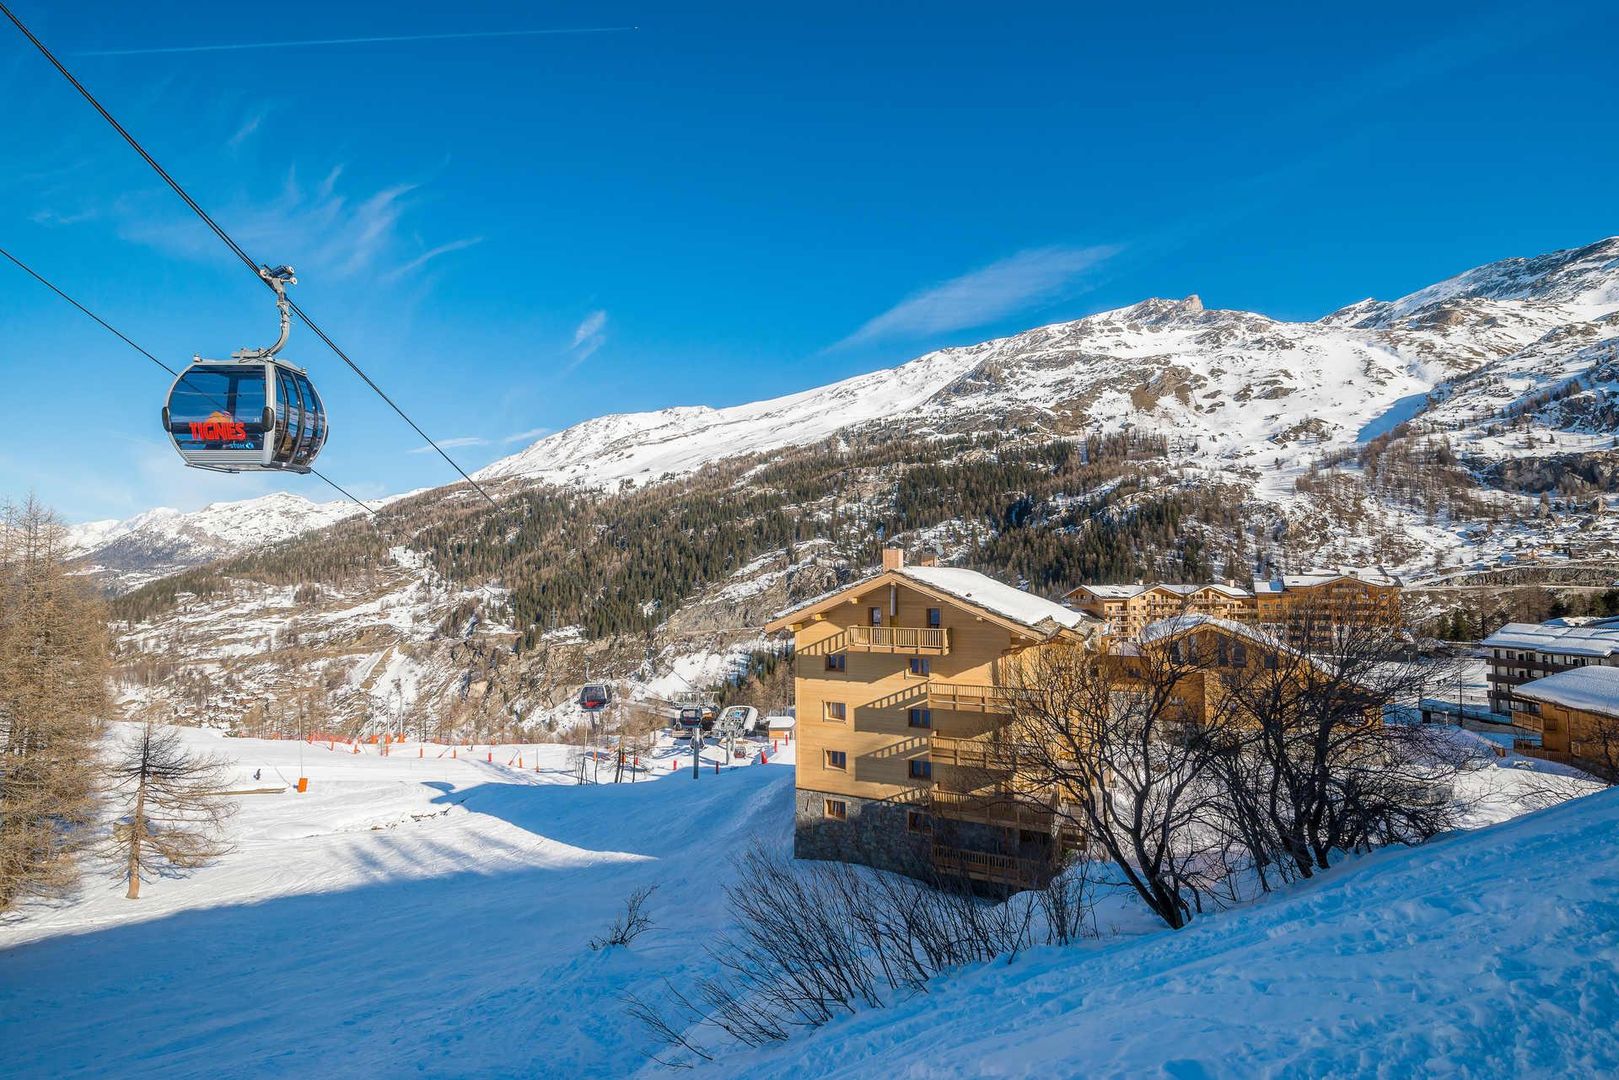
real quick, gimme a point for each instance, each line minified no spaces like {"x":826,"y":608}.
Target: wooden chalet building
{"x":896,"y":685}
{"x":1576,"y":712}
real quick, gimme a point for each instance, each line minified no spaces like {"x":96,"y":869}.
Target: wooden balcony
{"x":979,"y":752}
{"x":990,"y":867}
{"x":992,"y":806}
{"x":959,"y":697}
{"x":914,"y":640}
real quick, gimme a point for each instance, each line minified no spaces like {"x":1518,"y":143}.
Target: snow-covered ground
{"x":421,"y":914}
{"x":1492,"y":953}
{"x":424,"y":913}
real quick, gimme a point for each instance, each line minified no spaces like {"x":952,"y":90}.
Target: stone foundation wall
{"x":875,"y":833}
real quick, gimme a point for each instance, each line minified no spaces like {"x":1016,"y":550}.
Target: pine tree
{"x":175,"y":806}
{"x":53,"y":700}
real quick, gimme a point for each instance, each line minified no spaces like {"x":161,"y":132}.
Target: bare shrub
{"x":631,"y":924}
{"x":816,"y":940}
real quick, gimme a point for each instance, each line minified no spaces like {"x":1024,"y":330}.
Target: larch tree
{"x":175,"y":806}
{"x":53,"y":699}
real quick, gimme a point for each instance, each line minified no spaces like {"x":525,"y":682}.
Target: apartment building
{"x":896,"y":686}
{"x":1520,"y":653}
{"x":1324,"y":598}
{"x":1304,"y":604}
{"x":1129,"y":609}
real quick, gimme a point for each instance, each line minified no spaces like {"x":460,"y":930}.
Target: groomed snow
{"x":408,"y":915}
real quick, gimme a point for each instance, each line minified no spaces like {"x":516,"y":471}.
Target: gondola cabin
{"x":245,"y":415}
{"x":595,"y":697}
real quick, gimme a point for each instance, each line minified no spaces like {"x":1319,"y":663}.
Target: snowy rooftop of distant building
{"x":1593,"y":689}
{"x":1320,"y":577}
{"x":1593,"y":639}
{"x":1126,"y":592}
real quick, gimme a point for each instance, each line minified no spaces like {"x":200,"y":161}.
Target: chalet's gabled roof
{"x":1013,"y":608}
{"x":1181,"y":625}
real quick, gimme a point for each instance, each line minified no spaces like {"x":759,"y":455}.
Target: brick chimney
{"x":893,"y":558}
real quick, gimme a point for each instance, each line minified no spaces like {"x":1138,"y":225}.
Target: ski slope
{"x":407,"y":914}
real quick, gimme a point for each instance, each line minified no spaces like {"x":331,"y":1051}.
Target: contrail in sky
{"x":353,"y":41}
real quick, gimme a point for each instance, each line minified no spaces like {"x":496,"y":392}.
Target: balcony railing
{"x":965,"y":698}
{"x":992,"y":807}
{"x":990,"y":867}
{"x":979,"y":752}
{"x":920,"y":640}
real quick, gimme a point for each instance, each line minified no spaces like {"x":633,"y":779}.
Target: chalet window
{"x":935,"y":618}
{"x":916,"y":821}
{"x":920,"y":665}
{"x":1239,"y":654}
{"x":837,"y":759}
{"x":1270,"y":661}
{"x":922,"y":718}
{"x":836,"y":809}
{"x":835,"y":710}
{"x":836,"y":662}
{"x":921,"y":769}
{"x":876,"y":616}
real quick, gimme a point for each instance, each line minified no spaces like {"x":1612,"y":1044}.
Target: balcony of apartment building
{"x":966,"y":697}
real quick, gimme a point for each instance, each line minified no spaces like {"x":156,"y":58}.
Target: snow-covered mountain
{"x":1238,"y":387}
{"x":1244,"y":397}
{"x":164,"y":540}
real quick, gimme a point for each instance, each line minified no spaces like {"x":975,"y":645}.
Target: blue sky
{"x":515,"y":232}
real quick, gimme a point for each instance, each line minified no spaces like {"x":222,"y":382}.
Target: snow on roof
{"x":993,"y":596}
{"x":1112,"y":592}
{"x":1181,"y":623}
{"x":1126,"y":592}
{"x":1589,"y":640}
{"x":1165,"y":628}
{"x":1593,"y":689}
{"x":1320,"y":577}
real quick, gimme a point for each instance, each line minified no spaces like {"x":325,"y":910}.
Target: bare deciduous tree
{"x":1320,"y":770}
{"x":53,"y":700}
{"x":1119,"y":745}
{"x":176,"y":806}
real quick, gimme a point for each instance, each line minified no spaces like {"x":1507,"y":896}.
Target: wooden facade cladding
{"x":892,"y":705}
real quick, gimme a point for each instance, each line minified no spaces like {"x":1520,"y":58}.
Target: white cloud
{"x":319,"y":227}
{"x":249,"y":126}
{"x":589,"y":328}
{"x":588,"y":336}
{"x":427,"y":256}
{"x":995,"y":291}
{"x":526,"y":436}
{"x":451,"y":444}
